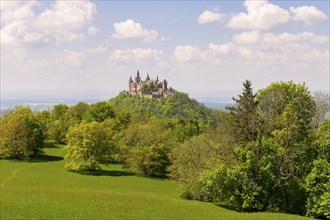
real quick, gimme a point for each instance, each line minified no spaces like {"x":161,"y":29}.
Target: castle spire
{"x":138,"y":78}
{"x":130,"y":79}
{"x":148,"y":78}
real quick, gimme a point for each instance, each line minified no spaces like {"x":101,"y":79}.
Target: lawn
{"x":43,"y":189}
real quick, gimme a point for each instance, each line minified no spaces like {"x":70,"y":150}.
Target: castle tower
{"x":148,"y":78}
{"x":131,"y":85}
{"x":165,"y":85}
{"x":138,"y":78}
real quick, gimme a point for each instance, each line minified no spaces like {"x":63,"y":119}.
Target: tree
{"x":99,"y":112}
{"x":244,"y":114}
{"x":76,"y":112}
{"x":322,"y":141}
{"x":88,"y":144}
{"x":59,"y":123}
{"x":318,"y":189}
{"x":145,"y":88}
{"x":189,"y":160}
{"x":322,"y":108}
{"x":146,"y":146}
{"x":20,"y":133}
{"x":43,"y":118}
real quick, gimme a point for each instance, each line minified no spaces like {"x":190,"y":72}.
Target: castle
{"x":149,"y":88}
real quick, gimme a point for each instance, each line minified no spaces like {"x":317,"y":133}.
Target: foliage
{"x":190,"y":159}
{"x":77,"y":112}
{"x":20,"y":133}
{"x":245,"y":117}
{"x":99,"y":112}
{"x":146,"y":146}
{"x":322,"y":141}
{"x":318,"y":188}
{"x":43,"y":118}
{"x":261,"y":156}
{"x":178,"y":106}
{"x":290,"y":102}
{"x":88,"y":144}
{"x":145,"y":88}
{"x":59,"y":123}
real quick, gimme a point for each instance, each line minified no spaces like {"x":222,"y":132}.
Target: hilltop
{"x":179,"y":105}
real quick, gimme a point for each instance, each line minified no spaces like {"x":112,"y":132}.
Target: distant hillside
{"x":178,"y":106}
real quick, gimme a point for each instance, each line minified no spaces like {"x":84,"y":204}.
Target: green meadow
{"x":43,"y":189}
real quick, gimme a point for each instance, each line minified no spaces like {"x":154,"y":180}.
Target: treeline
{"x":268,"y":152}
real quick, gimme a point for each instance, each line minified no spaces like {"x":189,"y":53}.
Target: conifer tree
{"x":244,"y":115}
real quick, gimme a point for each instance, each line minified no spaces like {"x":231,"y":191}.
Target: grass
{"x":43,"y":189}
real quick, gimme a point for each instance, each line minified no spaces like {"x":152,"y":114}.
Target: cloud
{"x":271,"y":39}
{"x":209,"y":16}
{"x":131,"y":29}
{"x":60,"y":22}
{"x":138,"y":56}
{"x":96,"y":50}
{"x":260,"y":15}
{"x":186,"y":53}
{"x":255,"y":48}
{"x":247,"y":38}
{"x":92,"y":30}
{"x":308,"y":14}
{"x":71,"y":58}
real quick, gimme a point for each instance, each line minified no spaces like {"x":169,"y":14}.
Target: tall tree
{"x":244,"y":115}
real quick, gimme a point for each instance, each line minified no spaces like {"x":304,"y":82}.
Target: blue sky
{"x":196,"y":45}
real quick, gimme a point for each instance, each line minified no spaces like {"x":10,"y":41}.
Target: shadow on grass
{"x":108,"y":173}
{"x":45,"y":158}
{"x":50,"y":144}
{"x":35,"y":159}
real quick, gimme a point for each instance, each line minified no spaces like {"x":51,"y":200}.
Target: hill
{"x":178,"y":106}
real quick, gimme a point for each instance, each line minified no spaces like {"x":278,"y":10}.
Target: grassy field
{"x":43,"y":189}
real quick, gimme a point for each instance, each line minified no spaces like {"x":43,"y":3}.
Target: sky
{"x":86,"y":46}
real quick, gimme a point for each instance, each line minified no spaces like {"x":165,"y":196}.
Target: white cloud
{"x":71,"y":58}
{"x":139,"y":56}
{"x":260,"y":15}
{"x":259,"y":49}
{"x":308,"y":14}
{"x":209,"y":16}
{"x":131,"y":29}
{"x":271,"y":39}
{"x":186,"y":53}
{"x":247,"y":38}
{"x":96,"y":50}
{"x":92,"y":30}
{"x":17,"y":10}
{"x":60,"y":22}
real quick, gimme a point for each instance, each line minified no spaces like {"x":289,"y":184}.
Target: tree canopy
{"x":20,"y":133}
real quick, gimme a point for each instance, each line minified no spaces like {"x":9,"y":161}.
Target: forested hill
{"x":178,"y":106}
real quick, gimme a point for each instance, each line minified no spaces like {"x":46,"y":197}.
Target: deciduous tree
{"x":20,"y":133}
{"x":88,"y":144}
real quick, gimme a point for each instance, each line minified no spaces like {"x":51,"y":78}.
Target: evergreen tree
{"x":244,"y":115}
